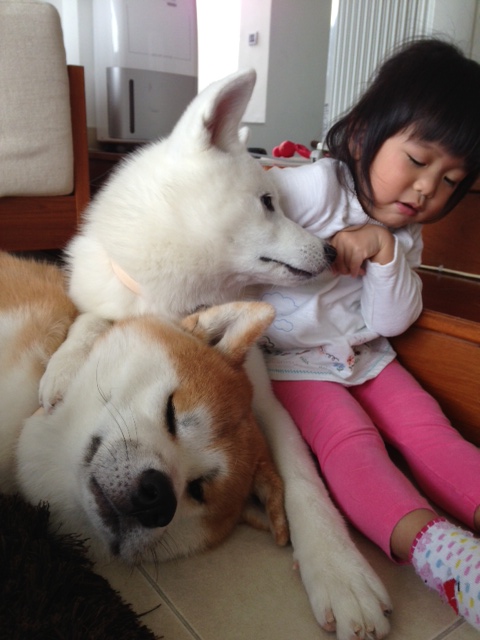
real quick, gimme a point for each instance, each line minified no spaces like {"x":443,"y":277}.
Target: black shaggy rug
{"x":48,"y":590}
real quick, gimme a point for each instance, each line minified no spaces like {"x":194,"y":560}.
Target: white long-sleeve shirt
{"x":335,"y":327}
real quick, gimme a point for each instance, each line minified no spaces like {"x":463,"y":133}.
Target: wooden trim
{"x":443,"y":353}
{"x":450,"y":326}
{"x":36,"y":224}
{"x":79,"y":137}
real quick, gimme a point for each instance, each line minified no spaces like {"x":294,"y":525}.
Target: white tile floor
{"x":247,"y":590}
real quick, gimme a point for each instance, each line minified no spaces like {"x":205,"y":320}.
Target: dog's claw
{"x":330,"y":623}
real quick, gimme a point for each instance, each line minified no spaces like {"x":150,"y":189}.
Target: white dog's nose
{"x":154,"y":502}
{"x":330,"y":253}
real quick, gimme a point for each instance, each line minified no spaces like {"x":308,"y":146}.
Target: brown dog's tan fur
{"x":36,"y":290}
{"x":87,"y":457}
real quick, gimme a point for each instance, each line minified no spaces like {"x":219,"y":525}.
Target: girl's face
{"x":412,"y":180}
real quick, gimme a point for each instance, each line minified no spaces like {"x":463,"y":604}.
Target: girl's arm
{"x":392,"y":293}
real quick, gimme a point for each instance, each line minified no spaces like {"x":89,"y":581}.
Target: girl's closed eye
{"x":416,"y":162}
{"x":454,"y":176}
{"x":450,"y":182}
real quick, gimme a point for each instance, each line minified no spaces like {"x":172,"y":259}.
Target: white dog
{"x":191,"y":221}
{"x":147,"y":456}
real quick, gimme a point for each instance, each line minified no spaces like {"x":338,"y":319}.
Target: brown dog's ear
{"x":232,"y":327}
{"x":268,"y":489}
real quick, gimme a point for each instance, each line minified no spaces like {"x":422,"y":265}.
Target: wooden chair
{"x":44,"y":183}
{"x":31,"y":223}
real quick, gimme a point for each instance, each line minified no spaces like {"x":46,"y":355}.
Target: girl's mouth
{"x":406,"y":209}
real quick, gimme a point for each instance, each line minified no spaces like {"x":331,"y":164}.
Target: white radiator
{"x":362,"y":34}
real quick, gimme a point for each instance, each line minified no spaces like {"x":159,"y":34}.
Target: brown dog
{"x":154,"y":451}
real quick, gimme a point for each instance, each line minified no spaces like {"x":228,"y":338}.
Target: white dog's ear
{"x":244,"y":135}
{"x":213,"y":118}
{"x":232,"y":328}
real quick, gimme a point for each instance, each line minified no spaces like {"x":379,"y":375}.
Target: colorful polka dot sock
{"x":447,"y":559}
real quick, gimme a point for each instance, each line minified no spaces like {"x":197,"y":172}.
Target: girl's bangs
{"x":459,"y":139}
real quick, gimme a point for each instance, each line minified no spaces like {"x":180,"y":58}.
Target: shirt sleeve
{"x":392,"y":293}
{"x":312,"y":196}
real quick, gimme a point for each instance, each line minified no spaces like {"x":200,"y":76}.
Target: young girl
{"x":404,"y":156}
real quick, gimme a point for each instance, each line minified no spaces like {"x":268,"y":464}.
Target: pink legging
{"x":346,"y":428}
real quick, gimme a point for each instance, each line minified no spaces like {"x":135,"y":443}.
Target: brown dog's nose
{"x":154,"y":502}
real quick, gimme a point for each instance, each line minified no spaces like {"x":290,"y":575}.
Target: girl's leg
{"x":446,"y":466}
{"x":367,"y":486}
{"x":446,"y":557}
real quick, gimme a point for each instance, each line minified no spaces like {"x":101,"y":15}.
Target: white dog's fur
{"x":154,"y":450}
{"x":191,"y":221}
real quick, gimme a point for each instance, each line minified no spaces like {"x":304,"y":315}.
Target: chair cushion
{"x":36,"y":156}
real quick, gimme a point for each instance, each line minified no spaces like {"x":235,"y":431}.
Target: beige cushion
{"x":36,"y":155}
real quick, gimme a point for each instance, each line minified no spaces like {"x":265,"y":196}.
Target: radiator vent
{"x":362,"y":34}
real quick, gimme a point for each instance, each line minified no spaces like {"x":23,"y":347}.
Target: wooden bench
{"x":442,"y":349}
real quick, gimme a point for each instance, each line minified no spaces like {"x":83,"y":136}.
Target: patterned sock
{"x":447,"y":559}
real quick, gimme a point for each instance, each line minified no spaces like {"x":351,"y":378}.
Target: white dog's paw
{"x":69,"y":357}
{"x":60,"y":371}
{"x":347,"y":597}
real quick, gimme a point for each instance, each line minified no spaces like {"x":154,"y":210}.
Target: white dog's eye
{"x":267,"y":202}
{"x":170,"y":417}
{"x":195,"y":490}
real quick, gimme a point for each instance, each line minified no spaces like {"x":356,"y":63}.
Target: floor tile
{"x":247,"y":589}
{"x":463,"y":632}
{"x":137,"y":590}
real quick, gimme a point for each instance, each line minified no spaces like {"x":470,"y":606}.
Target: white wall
{"x":476,"y":35}
{"x":297,"y":73}
{"x":223,"y":51}
{"x":456,"y":20}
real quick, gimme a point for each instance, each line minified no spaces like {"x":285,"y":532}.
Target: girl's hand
{"x":359,"y":243}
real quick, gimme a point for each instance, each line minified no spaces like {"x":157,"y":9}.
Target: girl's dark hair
{"x":428,"y":86}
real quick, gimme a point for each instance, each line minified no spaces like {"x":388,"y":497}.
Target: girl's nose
{"x":426,"y":186}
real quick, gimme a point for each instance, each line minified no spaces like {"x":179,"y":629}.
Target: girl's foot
{"x":447,"y":558}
